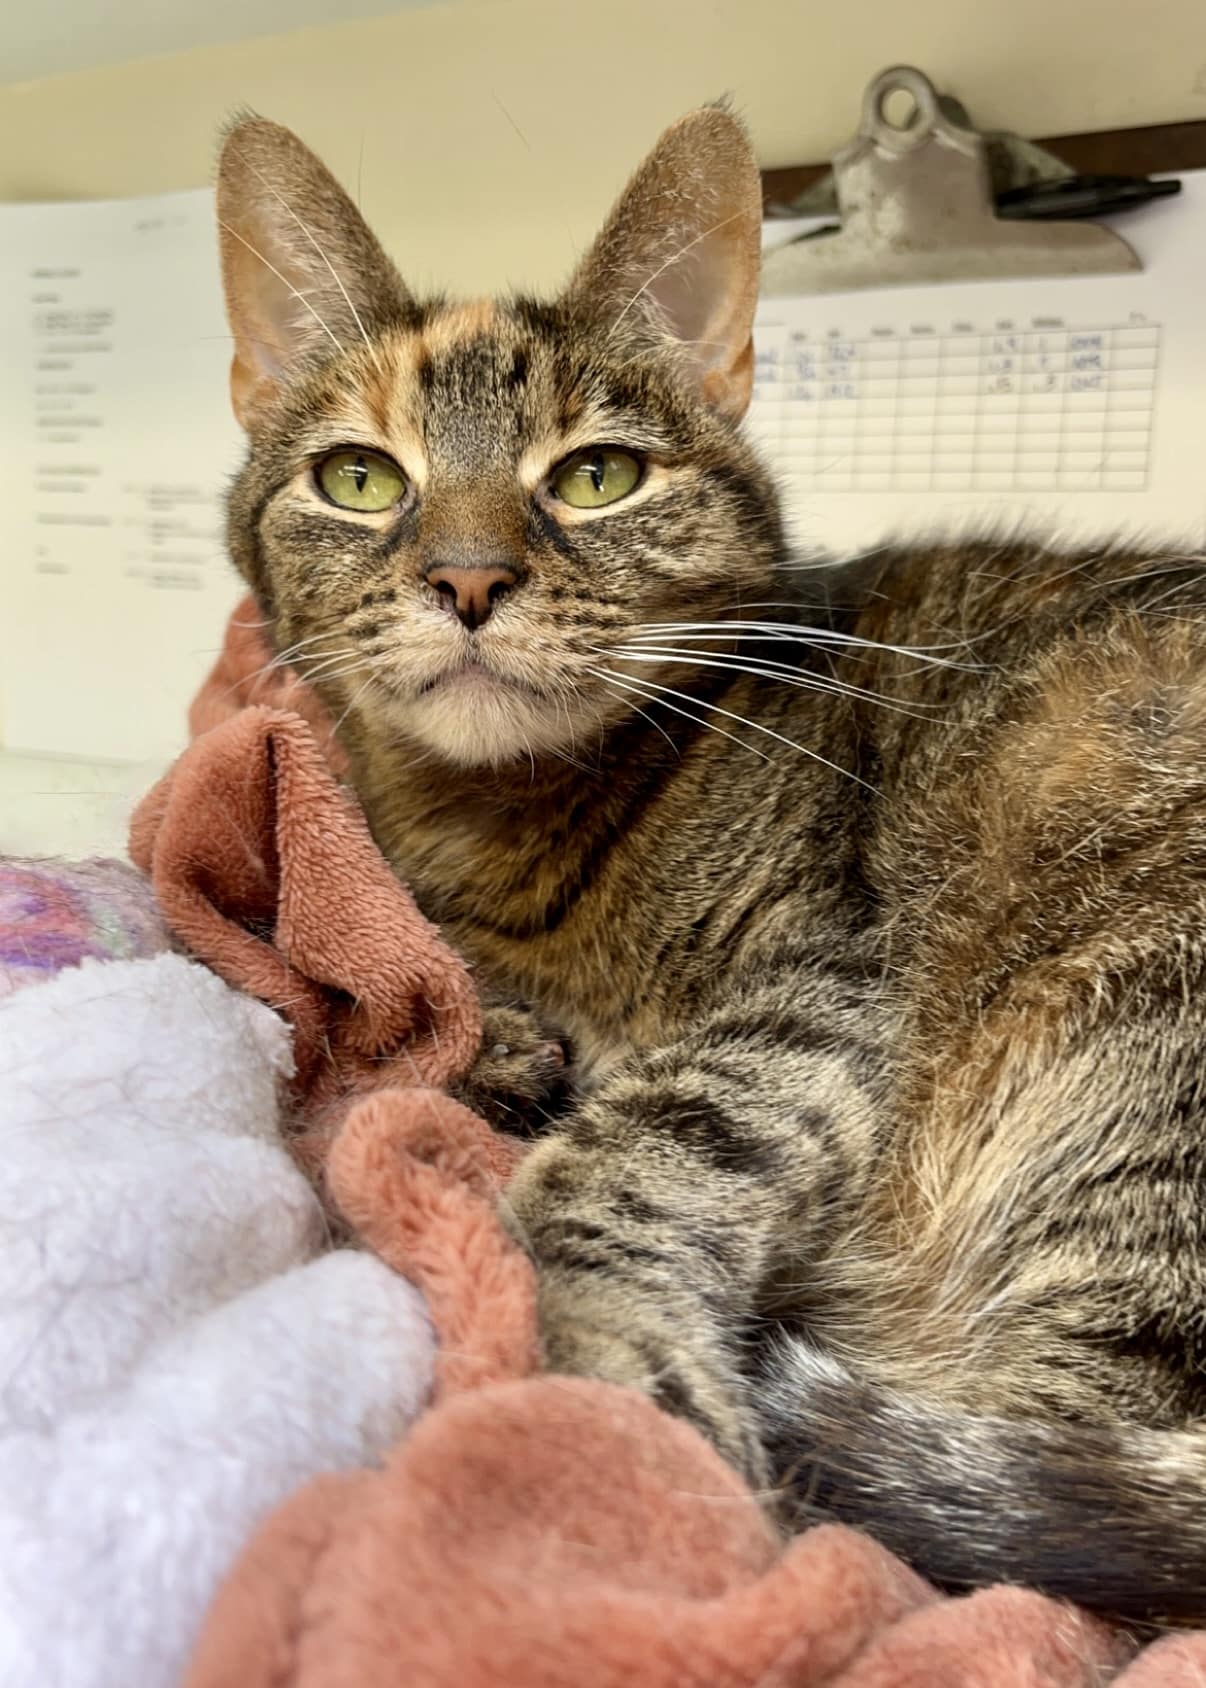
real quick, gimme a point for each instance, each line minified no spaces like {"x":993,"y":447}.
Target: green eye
{"x":596,"y":476}
{"x":361,"y":480}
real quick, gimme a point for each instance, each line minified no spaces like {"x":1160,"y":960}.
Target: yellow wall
{"x":424,"y":106}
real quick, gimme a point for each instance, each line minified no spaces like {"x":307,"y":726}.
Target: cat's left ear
{"x":679,"y":256}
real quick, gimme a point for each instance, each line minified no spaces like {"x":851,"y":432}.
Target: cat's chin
{"x":473,"y":725}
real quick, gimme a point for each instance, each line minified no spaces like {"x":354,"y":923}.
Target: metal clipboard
{"x":916,"y":205}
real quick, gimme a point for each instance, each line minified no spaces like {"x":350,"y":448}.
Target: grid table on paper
{"x":1012,"y":410}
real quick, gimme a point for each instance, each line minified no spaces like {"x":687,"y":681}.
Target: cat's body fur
{"x":889,"y":1170}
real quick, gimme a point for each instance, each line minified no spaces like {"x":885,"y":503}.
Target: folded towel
{"x":264,"y":867}
{"x":177,"y":1352}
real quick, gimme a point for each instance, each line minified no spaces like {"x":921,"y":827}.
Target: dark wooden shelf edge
{"x":1149,"y":151}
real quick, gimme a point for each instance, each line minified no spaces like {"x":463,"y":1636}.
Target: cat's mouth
{"x":472,"y":676}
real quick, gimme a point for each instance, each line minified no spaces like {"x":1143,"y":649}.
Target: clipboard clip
{"x":917,"y":206}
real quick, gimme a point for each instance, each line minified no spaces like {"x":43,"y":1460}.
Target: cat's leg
{"x":669,"y":1198}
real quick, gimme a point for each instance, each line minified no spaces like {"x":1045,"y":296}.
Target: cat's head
{"x":467,"y":519}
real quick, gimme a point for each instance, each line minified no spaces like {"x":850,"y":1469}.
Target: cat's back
{"x":1038,"y":713}
{"x":1041,"y":836}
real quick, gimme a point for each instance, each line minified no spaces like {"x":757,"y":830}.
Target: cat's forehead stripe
{"x":457,"y":325}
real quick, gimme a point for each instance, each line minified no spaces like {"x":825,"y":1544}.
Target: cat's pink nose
{"x":472,"y":593}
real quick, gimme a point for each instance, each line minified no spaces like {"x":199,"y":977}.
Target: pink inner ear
{"x":707,"y":297}
{"x":278,"y":323}
{"x":700,"y":294}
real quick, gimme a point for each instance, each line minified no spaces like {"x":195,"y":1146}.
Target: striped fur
{"x":884,"y":970}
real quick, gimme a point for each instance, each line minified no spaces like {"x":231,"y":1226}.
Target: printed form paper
{"x":118,"y":443}
{"x":1075,"y":407}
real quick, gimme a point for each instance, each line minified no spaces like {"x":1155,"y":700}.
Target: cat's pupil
{"x":360,"y":473}
{"x":597,"y":471}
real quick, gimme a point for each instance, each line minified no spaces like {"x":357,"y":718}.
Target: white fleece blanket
{"x":177,"y":1351}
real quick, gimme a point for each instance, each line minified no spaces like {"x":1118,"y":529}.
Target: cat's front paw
{"x":521,"y":1078}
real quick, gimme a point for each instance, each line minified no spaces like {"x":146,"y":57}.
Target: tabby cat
{"x":873,"y":899}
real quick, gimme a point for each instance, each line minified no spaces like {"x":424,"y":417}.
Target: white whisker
{"x":281,"y":660}
{"x":332,"y":671}
{"x":645,"y":689}
{"x":755,"y":726}
{"x":674,"y":258}
{"x":356,"y":697}
{"x":285,"y":282}
{"x":645,"y":716}
{"x":780,"y":671}
{"x":816,"y":636}
{"x":569,"y":756}
{"x":303,"y":665}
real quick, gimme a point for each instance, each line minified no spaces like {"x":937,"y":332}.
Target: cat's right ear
{"x":677,"y":262}
{"x":301,"y":272}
